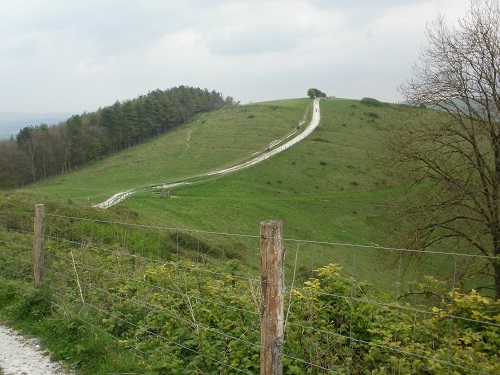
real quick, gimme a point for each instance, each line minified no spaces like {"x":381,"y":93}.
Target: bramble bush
{"x":186,"y":317}
{"x":200,"y":319}
{"x":410,"y":340}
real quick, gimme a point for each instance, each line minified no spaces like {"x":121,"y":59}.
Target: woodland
{"x":41,"y":151}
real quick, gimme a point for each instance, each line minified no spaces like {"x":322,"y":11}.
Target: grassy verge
{"x":178,"y":316}
{"x":186,"y":317}
{"x":68,"y":334}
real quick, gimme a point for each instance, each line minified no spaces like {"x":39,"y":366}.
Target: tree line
{"x":41,"y":151}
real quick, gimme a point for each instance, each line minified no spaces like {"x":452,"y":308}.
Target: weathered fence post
{"x":272,"y":256}
{"x":38,"y":245}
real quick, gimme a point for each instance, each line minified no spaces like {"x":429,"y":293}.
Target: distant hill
{"x":12,"y":122}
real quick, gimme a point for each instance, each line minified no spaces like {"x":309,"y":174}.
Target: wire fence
{"x":194,"y":297}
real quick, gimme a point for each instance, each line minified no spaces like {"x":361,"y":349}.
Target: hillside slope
{"x":330,"y":173}
{"x":143,"y":261}
{"x":210,"y":141}
{"x":326,"y":188}
{"x":273,"y":148}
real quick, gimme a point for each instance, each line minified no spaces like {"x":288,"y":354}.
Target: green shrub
{"x":372,"y":102}
{"x":30,"y":304}
{"x":321,"y":140}
{"x":372,"y":115}
{"x":183,"y":317}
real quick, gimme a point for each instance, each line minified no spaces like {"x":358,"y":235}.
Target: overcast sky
{"x":74,"y":56}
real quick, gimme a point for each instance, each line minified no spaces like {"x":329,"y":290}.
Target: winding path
{"x":316,"y":117}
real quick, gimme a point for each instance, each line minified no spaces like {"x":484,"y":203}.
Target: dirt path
{"x":22,"y":356}
{"x":316,"y":117}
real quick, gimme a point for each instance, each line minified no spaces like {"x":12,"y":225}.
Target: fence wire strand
{"x":83,"y":255}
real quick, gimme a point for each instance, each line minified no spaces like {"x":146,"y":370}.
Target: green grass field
{"x":327,"y":188}
{"x":210,"y":141}
{"x":331,"y":169}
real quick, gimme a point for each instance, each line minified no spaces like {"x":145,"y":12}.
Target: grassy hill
{"x":146,"y":287}
{"x":207,"y":142}
{"x":331,"y":169}
{"x":326,"y":188}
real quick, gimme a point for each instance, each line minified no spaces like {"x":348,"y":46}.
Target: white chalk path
{"x":21,"y":356}
{"x":266,"y":155}
{"x":316,"y":117}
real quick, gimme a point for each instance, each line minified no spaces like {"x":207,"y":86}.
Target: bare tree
{"x":453,"y":156}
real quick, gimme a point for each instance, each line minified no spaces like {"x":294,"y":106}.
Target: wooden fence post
{"x":38,"y":245}
{"x":272,"y":256}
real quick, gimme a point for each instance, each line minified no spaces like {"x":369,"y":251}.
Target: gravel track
{"x":23,"y":356}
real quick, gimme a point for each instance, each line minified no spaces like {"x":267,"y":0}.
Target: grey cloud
{"x":266,"y":39}
{"x":110,"y":26}
{"x":63,"y":56}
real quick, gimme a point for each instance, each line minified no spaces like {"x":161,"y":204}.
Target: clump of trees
{"x":453,"y":157}
{"x":315,"y":93}
{"x":41,"y":151}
